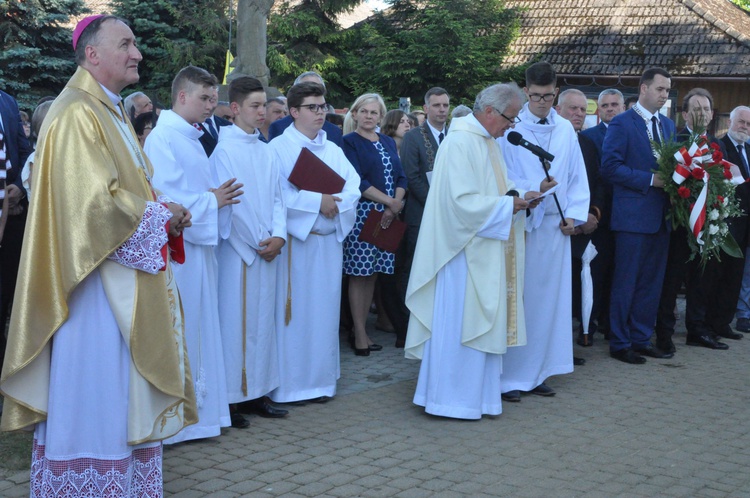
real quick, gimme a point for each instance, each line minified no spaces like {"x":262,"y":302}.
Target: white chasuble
{"x":548,"y":290}
{"x":308,"y":296}
{"x":466,"y":281}
{"x":247,"y":283}
{"x":183,"y":173}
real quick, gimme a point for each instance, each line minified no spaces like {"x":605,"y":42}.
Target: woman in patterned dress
{"x":383,"y":186}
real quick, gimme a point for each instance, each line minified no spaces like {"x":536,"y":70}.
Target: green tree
{"x":414,"y":45}
{"x":37,"y":56}
{"x":172,"y":34}
{"x":305,"y":37}
{"x":744,"y":4}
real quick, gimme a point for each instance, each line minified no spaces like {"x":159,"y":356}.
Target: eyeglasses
{"x":515,"y":119}
{"x":315,"y":107}
{"x":536,"y":97}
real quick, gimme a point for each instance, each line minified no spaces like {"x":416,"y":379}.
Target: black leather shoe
{"x":743,"y":324}
{"x":511,"y":396}
{"x":585,"y":340}
{"x":728,"y":333}
{"x":542,"y":390}
{"x":362,"y":352}
{"x":628,"y":356}
{"x":706,"y":341}
{"x":375,"y":347}
{"x":263,"y":408}
{"x":666,"y":345}
{"x":578,"y":361}
{"x":320,"y":399}
{"x":653,"y":352}
{"x":238,"y":421}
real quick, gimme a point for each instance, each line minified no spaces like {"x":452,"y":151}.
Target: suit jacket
{"x":17,"y":146}
{"x":590,"y":154}
{"x":628,"y":164}
{"x":596,"y":134}
{"x":416,"y":162}
{"x":739,"y":227}
{"x":333,"y":132}
{"x":207,"y":140}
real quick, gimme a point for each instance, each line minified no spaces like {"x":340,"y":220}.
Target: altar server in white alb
{"x":248,"y":259}
{"x":182,"y":171}
{"x":466,"y":286}
{"x":548,"y":265}
{"x":309,"y":290}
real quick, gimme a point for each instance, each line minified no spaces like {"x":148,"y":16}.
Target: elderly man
{"x":547,"y":293}
{"x":466,"y":288}
{"x":96,"y":358}
{"x":275,"y":110}
{"x":738,"y":152}
{"x":571,"y":105}
{"x":137,"y":103}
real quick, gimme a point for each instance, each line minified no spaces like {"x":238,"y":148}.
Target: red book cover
{"x":310,"y":173}
{"x":387,"y":239}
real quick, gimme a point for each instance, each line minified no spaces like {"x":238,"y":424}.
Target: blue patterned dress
{"x":362,"y":259}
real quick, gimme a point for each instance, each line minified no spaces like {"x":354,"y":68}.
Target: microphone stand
{"x":546,"y":166}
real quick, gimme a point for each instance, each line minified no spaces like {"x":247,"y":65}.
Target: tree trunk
{"x":252,"y":19}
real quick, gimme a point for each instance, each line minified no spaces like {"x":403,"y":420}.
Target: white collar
{"x":645,"y":113}
{"x":471,"y":119}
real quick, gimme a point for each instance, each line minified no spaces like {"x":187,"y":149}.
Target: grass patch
{"x":16,"y":450}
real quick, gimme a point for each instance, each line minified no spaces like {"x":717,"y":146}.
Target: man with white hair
{"x":333,"y":132}
{"x":137,"y":103}
{"x":571,"y":105}
{"x":466,"y":287}
{"x":738,"y":152}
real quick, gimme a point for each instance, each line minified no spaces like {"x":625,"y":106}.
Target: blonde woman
{"x":383,"y":186}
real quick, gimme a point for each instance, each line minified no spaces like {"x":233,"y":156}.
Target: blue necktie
{"x":212,"y":130}
{"x":655,"y":129}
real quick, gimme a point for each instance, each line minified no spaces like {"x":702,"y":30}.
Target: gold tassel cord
{"x":244,"y":328}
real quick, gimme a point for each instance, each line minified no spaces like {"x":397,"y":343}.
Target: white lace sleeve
{"x":142,"y":251}
{"x":164,"y":199}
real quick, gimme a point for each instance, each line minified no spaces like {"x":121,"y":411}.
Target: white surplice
{"x":547,"y":297}
{"x":311,"y":275}
{"x":247,"y":283}
{"x":182,"y":172}
{"x":460,"y":313}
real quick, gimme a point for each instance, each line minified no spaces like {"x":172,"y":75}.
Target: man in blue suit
{"x":333,"y":132}
{"x":17,"y":149}
{"x":639,"y":206}
{"x":610,"y":103}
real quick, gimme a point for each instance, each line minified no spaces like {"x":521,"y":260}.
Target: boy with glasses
{"x":308,"y":297}
{"x":547,"y":291}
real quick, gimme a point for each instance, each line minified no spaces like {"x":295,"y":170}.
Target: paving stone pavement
{"x":673,"y":428}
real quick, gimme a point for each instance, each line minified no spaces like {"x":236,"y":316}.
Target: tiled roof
{"x":623,"y":37}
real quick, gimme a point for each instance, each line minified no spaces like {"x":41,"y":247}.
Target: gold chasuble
{"x":90,"y":194}
{"x":469,"y":178}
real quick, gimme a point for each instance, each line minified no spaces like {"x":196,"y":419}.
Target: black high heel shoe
{"x":362,"y":352}
{"x":375,"y":347}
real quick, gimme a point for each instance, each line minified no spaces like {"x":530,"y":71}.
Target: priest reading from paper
{"x":309,"y":290}
{"x":466,"y":287}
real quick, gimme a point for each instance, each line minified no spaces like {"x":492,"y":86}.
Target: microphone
{"x":516,"y":138}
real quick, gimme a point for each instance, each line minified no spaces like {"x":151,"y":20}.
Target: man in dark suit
{"x":639,"y":205}
{"x":738,"y":152}
{"x":418,"y":150}
{"x":333,"y":132}
{"x":17,"y":149}
{"x":211,"y":126}
{"x":610,"y":103}
{"x":713,"y":291}
{"x":706,"y":317}
{"x":571,"y":105}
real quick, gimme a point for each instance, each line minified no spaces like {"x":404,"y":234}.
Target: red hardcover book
{"x":310,"y":173}
{"x":387,"y":239}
